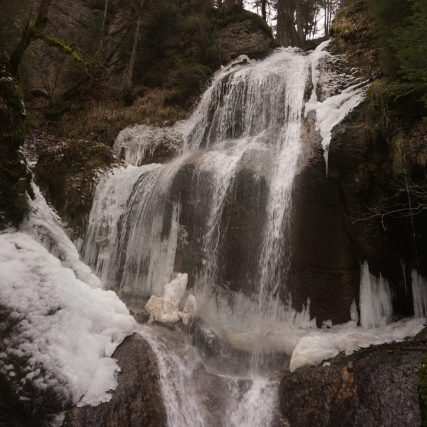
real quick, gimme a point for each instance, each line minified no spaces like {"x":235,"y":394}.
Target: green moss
{"x":63,"y":47}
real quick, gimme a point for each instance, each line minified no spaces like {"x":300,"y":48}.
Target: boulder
{"x":137,"y":400}
{"x":376,"y":386}
{"x":244,"y":34}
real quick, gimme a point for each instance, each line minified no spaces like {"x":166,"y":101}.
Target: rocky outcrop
{"x":67,"y":172}
{"x":247,"y":34}
{"x":137,"y":400}
{"x":377,"y":386}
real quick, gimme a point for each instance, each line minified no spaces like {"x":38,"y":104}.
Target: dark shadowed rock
{"x":137,"y":400}
{"x":377,"y":386}
{"x":324,"y":265}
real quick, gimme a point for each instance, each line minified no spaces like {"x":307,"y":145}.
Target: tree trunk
{"x":104,"y":20}
{"x":264,"y":9}
{"x":30,"y":32}
{"x":300,"y":21}
{"x":286,"y":32}
{"x":131,"y":69}
{"x":233,"y":4}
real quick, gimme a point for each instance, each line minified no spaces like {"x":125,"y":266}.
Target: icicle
{"x":375,"y":299}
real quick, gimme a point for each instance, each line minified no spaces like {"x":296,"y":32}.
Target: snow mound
{"x":320,"y":345}
{"x":60,"y":332}
{"x":46,"y":227}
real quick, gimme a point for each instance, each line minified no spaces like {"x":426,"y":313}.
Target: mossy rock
{"x":67,"y":173}
{"x":355,"y":34}
{"x":14,"y":176}
{"x":422,"y":391}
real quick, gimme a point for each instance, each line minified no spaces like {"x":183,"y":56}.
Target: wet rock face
{"x":374,"y":387}
{"x":137,"y":400}
{"x":243,"y":218}
{"x":324,"y":265}
{"x":239,"y":227}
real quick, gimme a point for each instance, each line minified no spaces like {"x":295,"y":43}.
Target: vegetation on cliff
{"x":387,"y":172}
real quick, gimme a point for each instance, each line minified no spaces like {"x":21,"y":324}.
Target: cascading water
{"x":242,"y":149}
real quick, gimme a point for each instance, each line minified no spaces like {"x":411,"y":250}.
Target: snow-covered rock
{"x":58,"y":333}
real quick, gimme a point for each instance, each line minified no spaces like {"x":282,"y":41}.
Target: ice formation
{"x":165,"y":309}
{"x":375,"y":314}
{"x":375,"y":300}
{"x":333,"y":109}
{"x":419,"y":294}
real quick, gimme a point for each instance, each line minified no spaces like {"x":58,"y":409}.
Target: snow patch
{"x":45,"y":226}
{"x":62,"y":332}
{"x":320,"y":345}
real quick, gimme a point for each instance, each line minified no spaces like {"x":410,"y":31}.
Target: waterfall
{"x":220,"y":211}
{"x":250,"y":115}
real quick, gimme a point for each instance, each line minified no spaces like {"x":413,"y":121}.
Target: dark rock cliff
{"x":14,"y":176}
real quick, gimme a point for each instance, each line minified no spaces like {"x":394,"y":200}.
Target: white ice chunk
{"x":176,"y":288}
{"x":190,"y":309}
{"x":165,"y":309}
